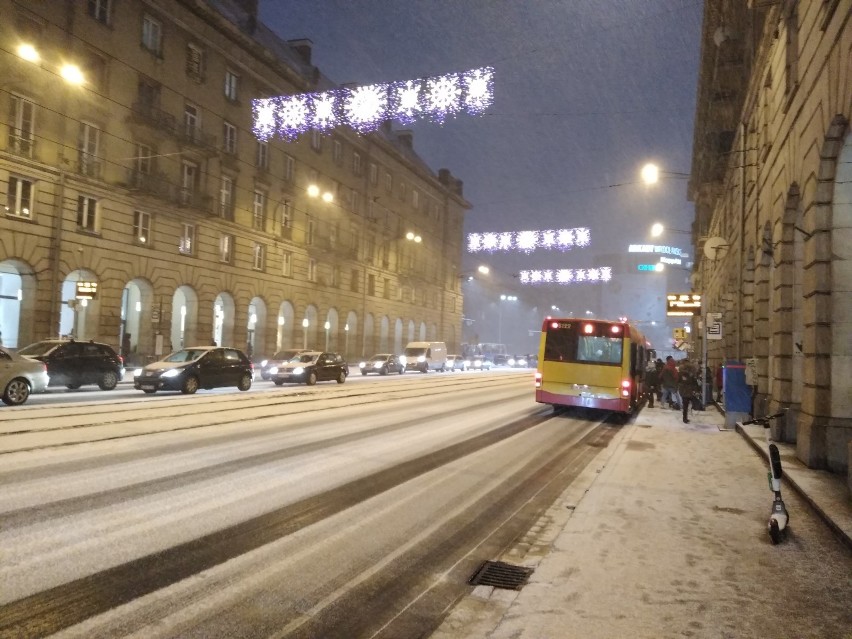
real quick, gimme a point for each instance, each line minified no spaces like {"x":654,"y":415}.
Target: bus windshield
{"x":565,"y":343}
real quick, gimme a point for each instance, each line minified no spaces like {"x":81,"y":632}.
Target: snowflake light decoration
{"x":566,"y":276}
{"x":474,"y":242}
{"x":264,"y":118}
{"x":529,"y":241}
{"x":365,"y":108}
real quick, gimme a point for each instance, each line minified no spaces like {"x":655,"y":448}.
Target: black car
{"x":310,"y":368}
{"x":383,"y":363}
{"x":280,"y":358}
{"x":189,"y":369}
{"x":72,"y":364}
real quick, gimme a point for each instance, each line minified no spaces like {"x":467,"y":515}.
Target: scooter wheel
{"x":775,"y":533}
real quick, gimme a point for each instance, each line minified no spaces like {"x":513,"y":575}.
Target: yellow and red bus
{"x":591,"y":363}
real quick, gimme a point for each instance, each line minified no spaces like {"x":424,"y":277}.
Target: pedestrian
{"x":687,"y":387}
{"x":668,"y":380}
{"x":659,"y":366}
{"x":720,"y":377}
{"x":652,"y":382}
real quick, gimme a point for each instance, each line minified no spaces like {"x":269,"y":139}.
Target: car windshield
{"x":379,"y":358}
{"x":186,"y":355}
{"x":415,"y":352}
{"x":284,"y":355}
{"x":304,"y":358}
{"x":37,"y":349}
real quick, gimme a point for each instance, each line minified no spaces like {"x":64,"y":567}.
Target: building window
{"x":354,"y":278}
{"x":99,"y":10}
{"x":88,"y":149}
{"x":94,"y":70}
{"x":226,"y":198}
{"x":195,"y":62}
{"x":312,"y":270}
{"x":356,"y":163}
{"x":388,"y":183}
{"x":229,"y":138}
{"x":87,"y":209}
{"x":316,"y":140}
{"x":141,"y":227}
{"x":338,"y":152}
{"x":386,"y":292}
{"x":187,"y":239}
{"x":313,"y":176}
{"x":356,"y":202}
{"x":403,"y":190}
{"x":232,"y":81}
{"x":309,"y":232}
{"x":259,"y":210}
{"x":371,"y":285}
{"x":287,"y":264}
{"x":263,"y":155}
{"x":286,"y":214}
{"x":188,"y":180}
{"x":374,"y":174}
{"x":19,"y":198}
{"x":289,"y":168}
{"x":226,"y":248}
{"x":152,"y":35}
{"x":22,"y":129}
{"x":191,"y":121}
{"x":335,"y":276}
{"x":258,"y":262}
{"x":415,"y":198}
{"x":791,"y":67}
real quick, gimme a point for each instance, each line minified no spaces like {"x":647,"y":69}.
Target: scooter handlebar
{"x":764,"y":421}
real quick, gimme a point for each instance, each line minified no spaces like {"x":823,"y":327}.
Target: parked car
{"x":189,"y":369}
{"x":281,"y":357}
{"x":518,"y":361}
{"x":383,"y":363}
{"x":457,"y":363}
{"x":19,"y":377}
{"x":501,"y":360}
{"x":72,"y":364}
{"x":310,"y":368}
{"x":481,"y":364}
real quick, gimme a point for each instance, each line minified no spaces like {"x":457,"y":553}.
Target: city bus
{"x":591,"y":363}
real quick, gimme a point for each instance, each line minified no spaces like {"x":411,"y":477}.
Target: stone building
{"x":772,"y":177}
{"x":141,"y":175}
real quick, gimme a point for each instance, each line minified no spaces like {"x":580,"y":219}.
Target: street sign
{"x":87,"y":290}
{"x":680,"y":334}
{"x":683,"y":304}
{"x":714,"y":326}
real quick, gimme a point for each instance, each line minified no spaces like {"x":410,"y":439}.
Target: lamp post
{"x":346,"y":343}
{"x":305,"y":324}
{"x":651,"y":174}
{"x":503,"y":298}
{"x":326,"y":326}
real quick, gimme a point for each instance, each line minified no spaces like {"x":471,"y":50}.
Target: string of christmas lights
{"x":528,"y":241}
{"x":364,"y":108}
{"x":567,"y":276}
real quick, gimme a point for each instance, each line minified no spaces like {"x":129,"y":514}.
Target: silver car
{"x":19,"y":377}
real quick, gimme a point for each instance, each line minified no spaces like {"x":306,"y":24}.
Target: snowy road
{"x":353,"y":510}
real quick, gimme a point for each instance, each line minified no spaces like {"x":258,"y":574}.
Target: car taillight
{"x":625,"y":388}
{"x":538,"y":380}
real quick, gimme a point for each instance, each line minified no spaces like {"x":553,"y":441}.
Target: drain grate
{"x":501,"y":575}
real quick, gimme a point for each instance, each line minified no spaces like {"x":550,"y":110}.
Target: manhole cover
{"x":500,"y":575}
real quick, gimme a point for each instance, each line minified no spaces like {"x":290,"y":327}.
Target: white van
{"x":425,"y":356}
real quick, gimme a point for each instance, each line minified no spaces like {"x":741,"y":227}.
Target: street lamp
{"x":657,"y":229}
{"x":346,"y":332}
{"x":305,"y":324}
{"x":326,"y":326}
{"x":651,"y":174}
{"x":411,"y":236}
{"x":503,"y":298}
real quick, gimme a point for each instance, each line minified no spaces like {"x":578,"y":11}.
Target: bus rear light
{"x":538,"y":380}
{"x":616,"y":328}
{"x":589,"y":329}
{"x":625,"y":388}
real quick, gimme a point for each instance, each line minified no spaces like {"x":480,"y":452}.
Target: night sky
{"x":586,"y":92}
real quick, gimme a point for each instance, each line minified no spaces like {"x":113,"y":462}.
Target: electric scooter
{"x":778,"y":518}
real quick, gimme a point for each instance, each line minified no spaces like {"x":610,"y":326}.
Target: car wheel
{"x":278,"y":382}
{"x":341,"y":376}
{"x":16,"y":393}
{"x":401,"y":370}
{"x":149,"y":391}
{"x":190,"y":385}
{"x":384,"y":370}
{"x":245,"y":382}
{"x":108,"y":381}
{"x":312,"y":379}
{"x":73,"y":386}
{"x":363,"y":372}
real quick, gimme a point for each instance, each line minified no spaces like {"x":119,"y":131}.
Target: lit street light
{"x":326,"y":326}
{"x":651,"y":174}
{"x":658,"y":229}
{"x":411,"y":236}
{"x":305,"y":324}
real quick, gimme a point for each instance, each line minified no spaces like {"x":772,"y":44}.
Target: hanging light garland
{"x":566,"y":276}
{"x":529,"y":241}
{"x":364,"y":108}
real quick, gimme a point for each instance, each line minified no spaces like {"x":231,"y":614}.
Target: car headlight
{"x":511,"y":361}
{"x":362,"y":365}
{"x":264,"y":362}
{"x":273,"y":370}
{"x":522,"y":362}
{"x":137,"y":372}
{"x":173,"y":372}
{"x":377,"y":365}
{"x":402,"y":359}
{"x":467,"y":362}
{"x":298,"y":370}
{"x":421,"y":358}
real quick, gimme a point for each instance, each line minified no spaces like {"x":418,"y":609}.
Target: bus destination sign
{"x":683,"y":304}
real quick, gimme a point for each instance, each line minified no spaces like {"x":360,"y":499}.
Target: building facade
{"x":772,"y":186}
{"x":141,"y":175}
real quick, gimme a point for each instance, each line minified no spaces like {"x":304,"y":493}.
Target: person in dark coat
{"x":652,"y":382}
{"x":720,"y":372}
{"x":687,"y":386}
{"x":668,"y":380}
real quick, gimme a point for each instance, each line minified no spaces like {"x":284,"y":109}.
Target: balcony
{"x":21,"y":145}
{"x":154,"y":184}
{"x":195,"y":136}
{"x":88,"y":165}
{"x":191,"y":199}
{"x":152,"y":116}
